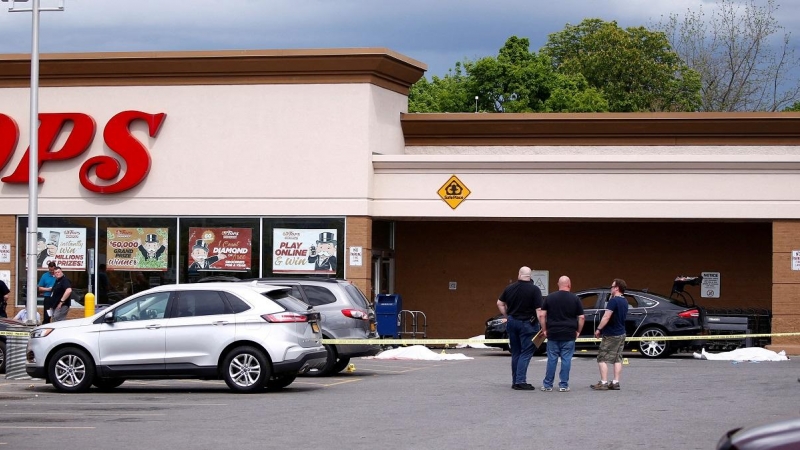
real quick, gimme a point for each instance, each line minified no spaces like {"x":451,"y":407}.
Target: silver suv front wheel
{"x":71,"y":370}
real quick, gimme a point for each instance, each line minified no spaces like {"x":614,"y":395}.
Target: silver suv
{"x":252,"y":336}
{"x":346,"y":314}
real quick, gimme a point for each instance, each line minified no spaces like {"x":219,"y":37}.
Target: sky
{"x":438,"y":33}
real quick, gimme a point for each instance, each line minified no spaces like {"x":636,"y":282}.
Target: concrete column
{"x":785,"y":286}
{"x":359,"y":234}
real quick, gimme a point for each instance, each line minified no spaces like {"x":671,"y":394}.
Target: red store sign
{"x":116,"y":134}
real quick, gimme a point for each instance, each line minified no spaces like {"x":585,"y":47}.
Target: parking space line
{"x":89,"y":403}
{"x":78,"y":414}
{"x":8,"y":427}
{"x":335,"y":383}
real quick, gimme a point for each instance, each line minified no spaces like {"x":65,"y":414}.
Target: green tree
{"x":742,"y":54}
{"x":448,"y":94}
{"x":572,"y":94}
{"x":794,"y":108}
{"x":517,"y":80}
{"x":634,"y":68}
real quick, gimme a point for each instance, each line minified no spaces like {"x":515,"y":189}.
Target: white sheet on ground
{"x":420,"y":353}
{"x":743,"y":354}
{"x":476,"y":344}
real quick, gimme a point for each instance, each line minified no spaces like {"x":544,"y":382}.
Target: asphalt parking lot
{"x":672,"y":403}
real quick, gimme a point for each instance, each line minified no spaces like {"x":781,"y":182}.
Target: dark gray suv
{"x":346,"y":314}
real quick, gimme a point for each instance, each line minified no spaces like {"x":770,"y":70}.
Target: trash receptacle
{"x":16,"y":346}
{"x":387,"y":314}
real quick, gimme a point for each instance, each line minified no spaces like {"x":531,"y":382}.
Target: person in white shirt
{"x":22,"y":316}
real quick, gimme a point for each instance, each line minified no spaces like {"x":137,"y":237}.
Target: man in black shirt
{"x":562,"y":321}
{"x":520,"y":303}
{"x":62,"y":291}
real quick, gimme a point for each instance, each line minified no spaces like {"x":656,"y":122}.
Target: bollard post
{"x":88,"y":304}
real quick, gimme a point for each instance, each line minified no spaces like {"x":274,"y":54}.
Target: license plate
{"x":315,"y":327}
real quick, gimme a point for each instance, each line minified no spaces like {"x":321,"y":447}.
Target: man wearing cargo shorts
{"x":612,"y":329}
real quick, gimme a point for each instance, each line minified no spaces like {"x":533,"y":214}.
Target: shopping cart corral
{"x":737,"y":321}
{"x":411,"y":322}
{"x":719,"y":322}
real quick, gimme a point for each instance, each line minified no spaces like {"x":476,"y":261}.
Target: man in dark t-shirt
{"x":62,"y":291}
{"x":562,"y":321}
{"x":520,"y":303}
{"x":612,"y":330}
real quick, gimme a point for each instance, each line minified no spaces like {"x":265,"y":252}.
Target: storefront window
{"x":134,"y":254}
{"x":66,"y":241}
{"x":219,"y":248}
{"x":304,"y":247}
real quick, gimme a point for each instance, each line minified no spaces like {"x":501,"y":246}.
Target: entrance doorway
{"x":382,"y":273}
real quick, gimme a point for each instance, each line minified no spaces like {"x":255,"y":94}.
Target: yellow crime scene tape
{"x":389,"y":341}
{"x":505,"y":341}
{"x":15,"y":333}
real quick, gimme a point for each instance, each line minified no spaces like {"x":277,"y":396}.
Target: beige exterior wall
{"x":759,"y":186}
{"x":223,"y":150}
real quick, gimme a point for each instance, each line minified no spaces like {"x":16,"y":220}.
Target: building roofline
{"x":379,"y":66}
{"x":502,"y":129}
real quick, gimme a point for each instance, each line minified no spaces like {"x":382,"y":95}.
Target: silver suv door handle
{"x":220,"y":322}
{"x":153,"y":327}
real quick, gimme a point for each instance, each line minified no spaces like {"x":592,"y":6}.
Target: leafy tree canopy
{"x":634,"y":68}
{"x":594,"y":66}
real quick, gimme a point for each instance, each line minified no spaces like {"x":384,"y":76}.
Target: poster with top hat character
{"x":64,"y":246}
{"x":215,"y":249}
{"x":304,"y":251}
{"x":137,"y":249}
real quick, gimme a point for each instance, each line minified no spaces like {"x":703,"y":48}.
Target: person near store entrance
{"x":62,"y":291}
{"x":612,"y":330}
{"x":4,"y":291}
{"x":46,"y":283}
{"x":562,"y":321}
{"x":520,"y":303}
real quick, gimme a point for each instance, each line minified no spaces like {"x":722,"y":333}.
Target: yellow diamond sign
{"x":453,"y":192}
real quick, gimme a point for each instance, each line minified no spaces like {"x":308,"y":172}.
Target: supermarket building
{"x":170,"y":167}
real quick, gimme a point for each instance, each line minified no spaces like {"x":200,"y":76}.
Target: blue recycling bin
{"x":387,"y":314}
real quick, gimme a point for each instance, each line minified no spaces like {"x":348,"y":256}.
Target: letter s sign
{"x":117,"y":136}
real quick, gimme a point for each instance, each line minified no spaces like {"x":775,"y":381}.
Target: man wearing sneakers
{"x":562,"y":321}
{"x":612,"y":330}
{"x":520,"y":303}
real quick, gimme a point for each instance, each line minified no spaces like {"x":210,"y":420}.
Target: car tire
{"x":330,"y":363}
{"x":340,"y":365}
{"x":2,"y":357}
{"x":280,"y":381}
{"x":106,"y":384}
{"x":246,"y":369}
{"x":654,"y":348}
{"x":71,"y":370}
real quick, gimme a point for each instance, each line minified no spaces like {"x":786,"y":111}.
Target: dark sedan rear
{"x":649,"y":315}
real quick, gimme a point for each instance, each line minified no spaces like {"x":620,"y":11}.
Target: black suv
{"x":346,"y":314}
